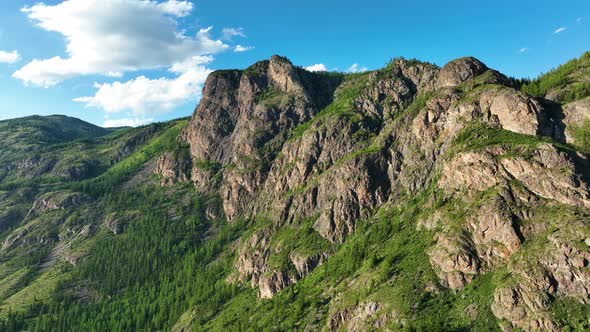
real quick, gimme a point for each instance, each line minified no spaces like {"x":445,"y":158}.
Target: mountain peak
{"x":280,"y":59}
{"x":460,"y":70}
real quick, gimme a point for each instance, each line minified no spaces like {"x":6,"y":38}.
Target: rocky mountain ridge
{"x":407,"y":198}
{"x":272,"y":152}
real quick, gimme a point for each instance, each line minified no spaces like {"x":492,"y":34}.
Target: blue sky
{"x":113,"y":62}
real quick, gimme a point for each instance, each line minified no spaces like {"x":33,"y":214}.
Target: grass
{"x":125,"y":168}
{"x":479,"y":136}
{"x":206,"y":165}
{"x":257,"y":69}
{"x":575,"y":91}
{"x":571,"y":313}
{"x":268,"y":95}
{"x":40,"y":289}
{"x":341,"y":106}
{"x":562,"y":77}
{"x":299,"y":239}
{"x":418,"y":103}
{"x":581,"y":135}
{"x":8,"y":283}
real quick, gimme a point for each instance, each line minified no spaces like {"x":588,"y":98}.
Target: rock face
{"x":305,"y":264}
{"x":252,"y":258}
{"x":318,"y":153}
{"x":253,"y":264}
{"x":47,"y":213}
{"x":57,"y":200}
{"x":34,"y":166}
{"x":459,"y":71}
{"x":495,"y":233}
{"x":274,"y":283}
{"x":243,"y":120}
{"x":80,"y":171}
{"x":515,"y":111}
{"x":173,"y":167}
{"x":560,"y":273}
{"x":363,"y":317}
{"x":546,"y":172}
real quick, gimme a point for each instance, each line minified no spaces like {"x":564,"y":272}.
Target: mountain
{"x":31,"y":135}
{"x":51,"y":129}
{"x":407,"y":198}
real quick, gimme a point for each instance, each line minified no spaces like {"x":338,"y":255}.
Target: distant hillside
{"x":47,"y":130}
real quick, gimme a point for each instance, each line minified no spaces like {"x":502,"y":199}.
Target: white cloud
{"x":230,"y":33}
{"x":240,"y":48}
{"x":111,"y":37}
{"x":523,"y":50}
{"x":579,"y":20}
{"x":126,"y":122}
{"x":317,"y":67}
{"x":9,"y":57}
{"x":559,"y":30}
{"x":176,"y":8}
{"x":144,"y":96}
{"x":355,"y":68}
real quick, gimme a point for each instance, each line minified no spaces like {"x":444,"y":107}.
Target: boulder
{"x":459,"y":71}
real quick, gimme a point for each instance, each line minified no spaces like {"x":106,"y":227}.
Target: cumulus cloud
{"x":126,"y":122}
{"x":144,"y":96}
{"x":317,"y":67}
{"x":239,"y":48}
{"x":229,"y":33}
{"x":111,"y":37}
{"x":523,"y":50}
{"x":176,"y":8}
{"x":356,"y":68}
{"x":559,"y":30}
{"x":9,"y":57}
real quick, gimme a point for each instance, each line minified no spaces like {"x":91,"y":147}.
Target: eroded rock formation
{"x":293,"y":148}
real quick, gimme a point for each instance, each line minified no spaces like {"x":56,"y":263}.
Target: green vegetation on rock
{"x":569,"y":75}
